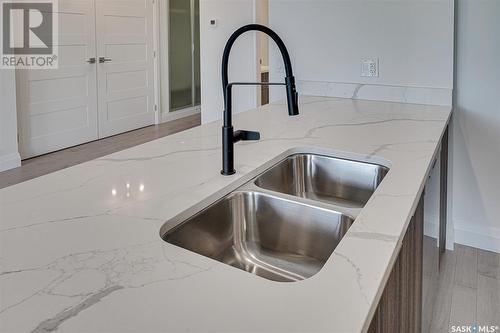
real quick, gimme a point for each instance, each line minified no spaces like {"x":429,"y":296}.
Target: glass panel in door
{"x":184,"y":54}
{"x":180,"y":54}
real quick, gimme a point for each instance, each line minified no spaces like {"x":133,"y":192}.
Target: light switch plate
{"x":369,"y":68}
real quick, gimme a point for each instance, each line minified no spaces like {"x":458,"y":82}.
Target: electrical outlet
{"x":369,"y":67}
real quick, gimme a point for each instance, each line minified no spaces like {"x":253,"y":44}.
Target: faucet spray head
{"x":292,"y":96}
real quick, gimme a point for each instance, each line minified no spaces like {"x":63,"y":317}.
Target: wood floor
{"x":66,"y":158}
{"x":469,"y":290}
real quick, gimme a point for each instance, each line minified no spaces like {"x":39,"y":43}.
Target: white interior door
{"x":126,"y":77}
{"x":58,"y":108}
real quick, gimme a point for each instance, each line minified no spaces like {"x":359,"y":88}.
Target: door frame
{"x":157,"y":67}
{"x":260,"y":6}
{"x":163,"y":70}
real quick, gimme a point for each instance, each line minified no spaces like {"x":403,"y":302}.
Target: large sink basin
{"x":275,"y":238}
{"x":327,"y":179}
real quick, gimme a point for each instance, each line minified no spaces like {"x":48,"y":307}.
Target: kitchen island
{"x":81,"y":249}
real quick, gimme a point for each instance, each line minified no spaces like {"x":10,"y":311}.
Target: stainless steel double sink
{"x":284,"y":224}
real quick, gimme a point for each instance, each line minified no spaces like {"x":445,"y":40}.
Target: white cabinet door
{"x":126,"y":78}
{"x":58,"y":108}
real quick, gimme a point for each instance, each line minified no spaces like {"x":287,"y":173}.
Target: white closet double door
{"x":105,"y":81}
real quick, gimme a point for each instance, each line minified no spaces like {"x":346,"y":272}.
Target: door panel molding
{"x":83,"y":100}
{"x":57,"y":108}
{"x":125,"y":83}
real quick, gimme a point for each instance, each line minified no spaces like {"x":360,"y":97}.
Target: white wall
{"x":413,"y":40}
{"x":230,"y":15}
{"x":9,"y":154}
{"x":476,"y":136}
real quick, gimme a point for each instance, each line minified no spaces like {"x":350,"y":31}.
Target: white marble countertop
{"x":81,"y":252}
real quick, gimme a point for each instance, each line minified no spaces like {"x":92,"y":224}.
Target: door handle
{"x":103,"y":60}
{"x":91,"y":61}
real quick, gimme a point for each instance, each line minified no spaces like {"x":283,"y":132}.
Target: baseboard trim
{"x":387,"y":93}
{"x":10,"y":161}
{"x":483,"y":238}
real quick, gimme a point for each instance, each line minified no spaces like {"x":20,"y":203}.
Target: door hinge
{"x":156,"y":107}
{"x":18,"y":137}
{"x":154,"y":54}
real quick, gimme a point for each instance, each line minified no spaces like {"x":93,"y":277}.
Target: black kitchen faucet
{"x":229,"y":136}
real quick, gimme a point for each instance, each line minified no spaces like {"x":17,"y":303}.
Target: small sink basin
{"x":327,"y":179}
{"x":272,"y":237}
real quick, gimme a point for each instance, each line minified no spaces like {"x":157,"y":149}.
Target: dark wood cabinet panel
{"x":400,"y":308}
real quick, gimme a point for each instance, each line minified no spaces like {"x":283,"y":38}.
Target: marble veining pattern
{"x":80,"y":249}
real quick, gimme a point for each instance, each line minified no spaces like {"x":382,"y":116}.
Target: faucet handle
{"x":246,"y":136}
